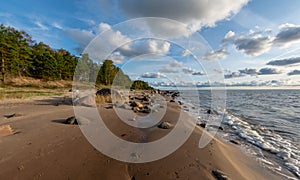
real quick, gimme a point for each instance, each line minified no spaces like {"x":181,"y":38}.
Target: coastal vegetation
{"x":22,"y":57}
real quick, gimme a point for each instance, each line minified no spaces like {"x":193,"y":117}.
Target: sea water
{"x":266,"y":123}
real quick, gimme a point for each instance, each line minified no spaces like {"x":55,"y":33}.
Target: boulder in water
{"x":211,"y":111}
{"x":203,"y":125}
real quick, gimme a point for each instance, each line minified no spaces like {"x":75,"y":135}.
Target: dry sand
{"x":45,"y":148}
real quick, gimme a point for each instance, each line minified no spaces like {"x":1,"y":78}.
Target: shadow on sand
{"x":55,"y":101}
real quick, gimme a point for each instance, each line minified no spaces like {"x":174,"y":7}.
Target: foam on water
{"x":266,"y":140}
{"x":257,"y":136}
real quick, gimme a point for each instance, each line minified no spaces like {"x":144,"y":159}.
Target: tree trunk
{"x":2,"y":67}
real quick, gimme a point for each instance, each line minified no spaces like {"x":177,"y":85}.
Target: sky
{"x":244,"y":43}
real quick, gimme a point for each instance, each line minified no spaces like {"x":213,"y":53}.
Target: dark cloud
{"x":268,"y":71}
{"x":253,"y":45}
{"x":252,"y":72}
{"x":187,"y":70}
{"x":248,"y":71}
{"x":295,"y":72}
{"x":199,"y":73}
{"x":284,"y":62}
{"x":289,"y":33}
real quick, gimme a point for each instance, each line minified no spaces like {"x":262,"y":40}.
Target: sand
{"x":45,"y":148}
{"x":5,"y":130}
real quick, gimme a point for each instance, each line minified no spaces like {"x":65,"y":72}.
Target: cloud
{"x":217,"y":54}
{"x":200,"y":73}
{"x":168,"y":69}
{"x":253,"y":45}
{"x":153,"y":75}
{"x":289,"y":33}
{"x":284,"y":62}
{"x":41,"y":25}
{"x":268,"y":71}
{"x":116,"y":57}
{"x":229,"y":36}
{"x":294,"y":72}
{"x":194,"y":13}
{"x":82,"y":37}
{"x":254,"y":83}
{"x":188,"y":70}
{"x":185,"y":53}
{"x":172,"y":67}
{"x":113,"y":39}
{"x":102,"y":27}
{"x":176,"y":64}
{"x":257,"y":42}
{"x":233,"y":75}
{"x":249,"y":71}
{"x":252,"y":72}
{"x":149,"y":46}
{"x":57,"y":26}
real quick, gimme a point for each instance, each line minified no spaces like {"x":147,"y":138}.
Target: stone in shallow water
{"x":203,"y":125}
{"x":234,"y":142}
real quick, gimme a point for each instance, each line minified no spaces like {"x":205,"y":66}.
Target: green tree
{"x":140,"y":85}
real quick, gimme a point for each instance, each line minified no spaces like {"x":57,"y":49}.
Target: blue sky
{"x":253,"y":43}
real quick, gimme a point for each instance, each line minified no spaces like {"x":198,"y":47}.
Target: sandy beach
{"x":36,"y":144}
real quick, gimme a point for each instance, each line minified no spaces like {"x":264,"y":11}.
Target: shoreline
{"x":44,"y":148}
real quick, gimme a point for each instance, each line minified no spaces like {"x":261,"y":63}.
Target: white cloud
{"x":103,"y":27}
{"x":229,"y":36}
{"x":195,"y":13}
{"x":153,"y":75}
{"x":233,"y":75}
{"x":41,"y":25}
{"x":256,"y":42}
{"x":149,"y":46}
{"x":122,"y":45}
{"x":116,"y":57}
{"x":217,"y":54}
{"x":57,"y":26}
{"x":185,"y":53}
